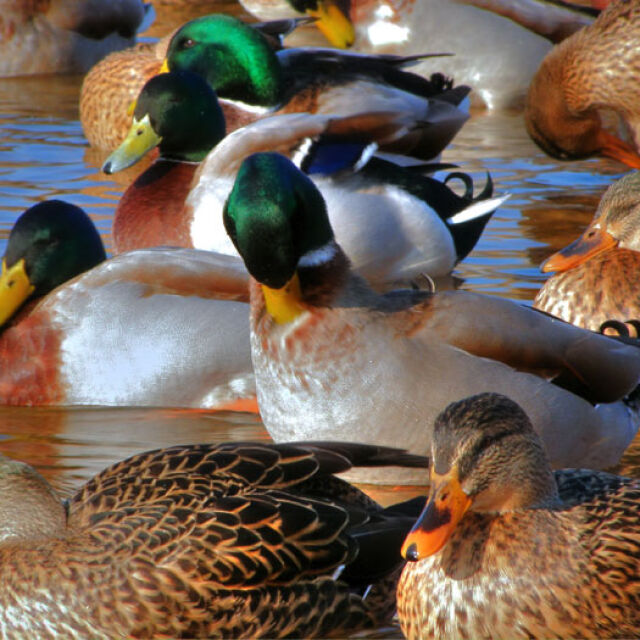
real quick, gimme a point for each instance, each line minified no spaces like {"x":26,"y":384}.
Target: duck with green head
{"x":113,"y":83}
{"x":394,"y":223}
{"x":230,"y":540}
{"x":154,"y":328}
{"x":333,"y":358}
{"x":252,"y":81}
{"x":508,"y":548}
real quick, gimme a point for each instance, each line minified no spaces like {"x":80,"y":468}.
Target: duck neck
{"x":557,"y":117}
{"x":323,"y":274}
{"x":30,"y":508}
{"x":189,"y":144}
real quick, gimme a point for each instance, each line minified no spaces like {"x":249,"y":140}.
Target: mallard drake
{"x":153,"y":328}
{"x":594,"y":69}
{"x":393,"y":222}
{"x":252,"y":81}
{"x":333,"y":358}
{"x":596,"y":276}
{"x":507,"y":548}
{"x":499,"y":75}
{"x":111,"y":85}
{"x":64,"y":36}
{"x":237,"y":540}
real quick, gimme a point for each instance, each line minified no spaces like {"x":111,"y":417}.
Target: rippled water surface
{"x":43,"y":154}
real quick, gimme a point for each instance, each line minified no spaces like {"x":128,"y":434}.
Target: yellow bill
{"x":139,"y":141}
{"x":332,"y":22}
{"x":284,"y":305}
{"x":15,"y":289}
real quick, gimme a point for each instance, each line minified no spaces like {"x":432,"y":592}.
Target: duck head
{"x":177,"y":112}
{"x":233,"y":57}
{"x":278,"y":221}
{"x":487,"y":458}
{"x":50,"y":243}
{"x":616,"y":224}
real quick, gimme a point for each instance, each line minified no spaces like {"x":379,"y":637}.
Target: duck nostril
{"x":411,"y":553}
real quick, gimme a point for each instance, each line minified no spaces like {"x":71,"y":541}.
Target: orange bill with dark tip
{"x":592,"y":242}
{"x":445,"y":508}
{"x":617,"y":149}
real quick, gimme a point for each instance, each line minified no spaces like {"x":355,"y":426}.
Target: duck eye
{"x":187,"y":43}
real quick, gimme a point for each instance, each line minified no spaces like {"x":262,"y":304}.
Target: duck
{"x":499,"y":76}
{"x":594,"y":278}
{"x":253,"y":81}
{"x":577,"y":80}
{"x":394,"y":222}
{"x":508,"y":548}
{"x":330,"y":17}
{"x":150,"y":328}
{"x":238,"y":540}
{"x":112,"y":84}
{"x":65,"y":36}
{"x":334,"y":358}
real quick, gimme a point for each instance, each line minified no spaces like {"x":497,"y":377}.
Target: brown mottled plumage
{"x":230,"y":540}
{"x":596,"y":68}
{"x":538,"y":554}
{"x":111,"y":86}
{"x":596,"y":276}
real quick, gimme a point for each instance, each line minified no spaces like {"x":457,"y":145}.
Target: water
{"x":43,"y":154}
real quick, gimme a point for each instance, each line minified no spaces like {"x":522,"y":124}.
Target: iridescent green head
{"x":179,"y":113}
{"x":275,"y":215}
{"x":50,"y":243}
{"x":235,"y":59}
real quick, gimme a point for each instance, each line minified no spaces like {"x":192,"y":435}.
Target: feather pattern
{"x":229,"y":540}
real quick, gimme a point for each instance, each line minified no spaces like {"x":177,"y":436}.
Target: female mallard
{"x":232,"y":540}
{"x":594,"y":69}
{"x":506,"y":548}
{"x":64,"y":36}
{"x":393,"y":222}
{"x":154,"y":328}
{"x":252,"y":80}
{"x":334,"y":359}
{"x":596,"y":277}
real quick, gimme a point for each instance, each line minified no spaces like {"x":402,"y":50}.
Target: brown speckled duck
{"x":64,"y":36}
{"x":596,"y":276}
{"x":506,"y":548}
{"x":594,"y":69}
{"x":111,"y":86}
{"x":232,"y":540}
